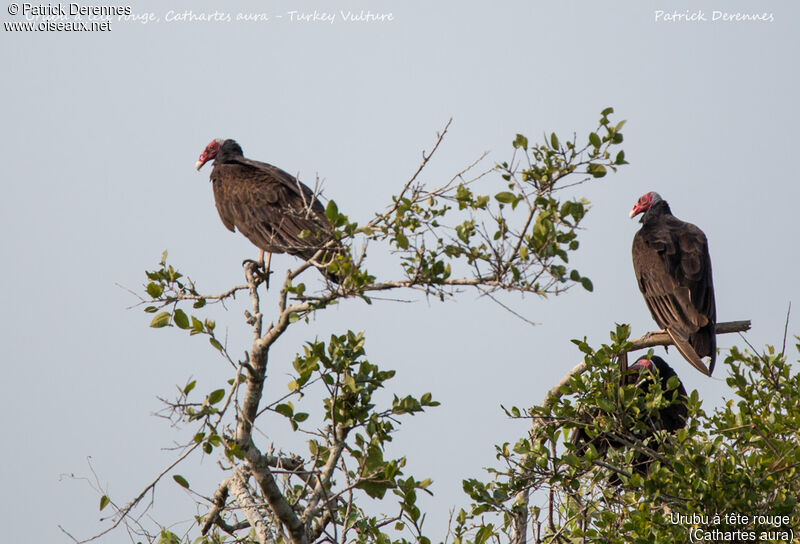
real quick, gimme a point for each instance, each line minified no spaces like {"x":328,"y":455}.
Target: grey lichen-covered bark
{"x":241,"y":493}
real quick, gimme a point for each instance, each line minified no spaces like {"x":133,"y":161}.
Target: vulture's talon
{"x":251,"y":265}
{"x":257,"y":269}
{"x":264,"y":275}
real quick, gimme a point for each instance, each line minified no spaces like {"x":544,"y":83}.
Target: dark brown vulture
{"x":270,"y":207}
{"x":669,"y":418}
{"x":673,"y":269}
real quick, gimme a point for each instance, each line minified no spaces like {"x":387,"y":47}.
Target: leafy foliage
{"x":167,"y":289}
{"x":519,"y":238}
{"x":740,"y":460}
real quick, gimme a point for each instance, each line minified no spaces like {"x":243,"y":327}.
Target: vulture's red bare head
{"x":208,"y":153}
{"x":644,"y":362}
{"x":644,"y":203}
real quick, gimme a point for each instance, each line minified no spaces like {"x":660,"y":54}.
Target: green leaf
{"x":154,"y":290}
{"x":483,"y":534}
{"x":214,"y":342}
{"x":285,"y":410}
{"x":216,"y":396}
{"x":505,"y":197}
{"x":605,"y":404}
{"x":236,"y":451}
{"x":554,"y":141}
{"x":607,"y":111}
{"x":376,"y":490}
{"x":300,"y":416}
{"x":104,"y":500}
{"x":189,"y":387}
{"x":181,"y":481}
{"x":594,"y":139}
{"x":587,"y":284}
{"x":181,"y":320}
{"x":401,"y":240}
{"x":520,"y":141}
{"x":167,"y":537}
{"x":332,"y":211}
{"x":164,"y":258}
{"x":161,"y":320}
{"x":596,"y":170}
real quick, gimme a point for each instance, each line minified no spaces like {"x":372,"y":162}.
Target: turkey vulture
{"x":669,"y":418}
{"x":270,"y":207}
{"x":673,"y":269}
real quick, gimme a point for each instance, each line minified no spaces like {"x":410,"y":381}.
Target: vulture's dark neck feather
{"x":658,"y":209}
{"x":229,"y":151}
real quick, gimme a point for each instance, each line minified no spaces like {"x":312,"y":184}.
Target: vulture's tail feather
{"x":689,"y":353}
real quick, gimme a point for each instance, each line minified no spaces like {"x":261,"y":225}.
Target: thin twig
{"x":786,"y":329}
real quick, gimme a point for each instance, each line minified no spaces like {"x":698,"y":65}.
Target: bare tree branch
{"x":425,"y":159}
{"x":218,"y":503}
{"x":321,"y":489}
{"x":238,"y":486}
{"x":786,"y":329}
{"x":275,"y":498}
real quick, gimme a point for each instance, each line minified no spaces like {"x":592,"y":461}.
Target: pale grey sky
{"x":101,"y":131}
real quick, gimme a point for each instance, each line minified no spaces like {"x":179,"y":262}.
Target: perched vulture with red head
{"x":270,"y":207}
{"x":642,"y":374}
{"x":672,"y":417}
{"x":673,"y":269}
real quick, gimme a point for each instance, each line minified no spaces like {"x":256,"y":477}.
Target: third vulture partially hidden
{"x":673,"y":269}
{"x":670,"y":418}
{"x":270,"y":207}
